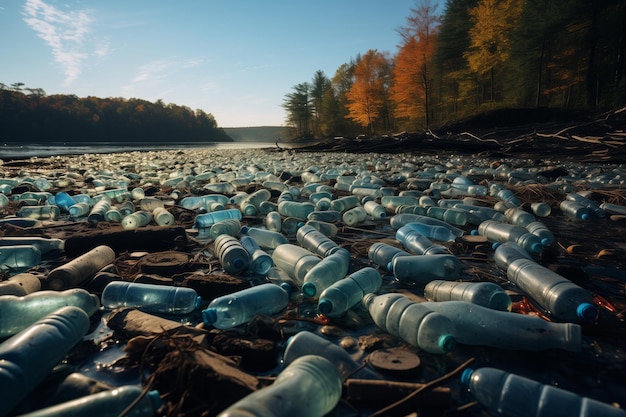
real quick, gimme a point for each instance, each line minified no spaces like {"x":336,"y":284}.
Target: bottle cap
{"x":466,"y":376}
{"x":447,"y":342}
{"x":325,"y":306}
{"x":286,"y":286}
{"x":308,"y":289}
{"x":536,"y":247}
{"x":155,"y":398}
{"x":586,"y":311}
{"x":494,"y":245}
{"x":238,"y":263}
{"x":390,"y":266}
{"x":584,"y":216}
{"x":209,"y":316}
{"x":545,"y":241}
{"x":474,"y":232}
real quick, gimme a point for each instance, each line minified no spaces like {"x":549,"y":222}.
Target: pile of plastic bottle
{"x":280,"y":220}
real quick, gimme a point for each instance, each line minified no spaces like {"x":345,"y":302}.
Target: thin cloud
{"x":64,"y":32}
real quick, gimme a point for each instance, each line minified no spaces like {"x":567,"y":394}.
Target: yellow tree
{"x":490,"y":36}
{"x":412,"y":74}
{"x":367,"y":96}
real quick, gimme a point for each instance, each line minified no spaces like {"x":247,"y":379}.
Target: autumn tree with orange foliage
{"x":411,"y":90}
{"x":368,"y":102}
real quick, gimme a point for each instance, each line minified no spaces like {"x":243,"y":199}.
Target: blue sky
{"x":236,"y":59}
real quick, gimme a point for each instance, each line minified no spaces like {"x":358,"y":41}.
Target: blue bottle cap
{"x":209,"y":316}
{"x":390,"y":266}
{"x":474,"y":232}
{"x":244,"y":230}
{"x":545,"y":241}
{"x":586,"y":311}
{"x":536,"y":247}
{"x":466,"y":376}
{"x":287,"y":287}
{"x":155,"y":398}
{"x":325,"y":306}
{"x":447,"y":342}
{"x":494,"y":245}
{"x":309,"y":289}
{"x":238,"y":263}
{"x":584,"y":216}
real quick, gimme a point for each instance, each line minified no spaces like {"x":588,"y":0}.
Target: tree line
{"x":29,"y":115}
{"x":476,"y":56}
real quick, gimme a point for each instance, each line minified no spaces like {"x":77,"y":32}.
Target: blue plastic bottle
{"x":260,"y":261}
{"x":208,"y":219}
{"x":151,"y":298}
{"x":348,"y":292}
{"x":324,"y":273}
{"x":509,"y":395}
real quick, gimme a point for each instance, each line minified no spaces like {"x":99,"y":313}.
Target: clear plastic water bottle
{"x":329,"y":270}
{"x":232,"y":255}
{"x":150,"y":298}
{"x":80,"y":269}
{"x":98,"y":211}
{"x":343,"y":204}
{"x":231,"y":227}
{"x":395,"y":201}
{"x":499,"y":232}
{"x":310,"y":386}
{"x":19,"y":257}
{"x":138,"y":219}
{"x":312,"y":239}
{"x":486,"y":294}
{"x":299,"y":210}
{"x":481,"y":326}
{"x":402,"y":219}
{"x":375,"y":210}
{"x":540,"y":209}
{"x":273,"y":221}
{"x":563,"y":299}
{"x":294,"y":260}
{"x":150,"y":203}
{"x":613,"y":208}
{"x":20,"y":312}
{"x":113,"y":215}
{"x":260,"y":261}
{"x":519,"y":217}
{"x":45,"y":245}
{"x":208,"y":219}
{"x":412,"y":322}
{"x":417,"y":243}
{"x":453,"y":216}
{"x":382,"y":254}
{"x":108,"y":403}
{"x":267,"y":239}
{"x":348,"y":292}
{"x":231,"y":310}
{"x":510,"y":395}
{"x":586,"y":202}
{"x":540,"y":230}
{"x":507,"y":253}
{"x":431,"y":231}
{"x":576,"y":211}
{"x":20,"y":285}
{"x":47,"y":212}
{"x":326,"y":228}
{"x":354,"y":216}
{"x":29,"y":356}
{"x":163,"y":217}
{"x":307,"y":343}
{"x":419,"y":270}
{"x":79,"y":209}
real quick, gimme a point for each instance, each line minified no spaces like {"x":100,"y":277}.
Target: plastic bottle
{"x":392,"y":202}
{"x":108,"y":403}
{"x":563,"y":299}
{"x":63,"y":200}
{"x":113,"y":215}
{"x":98,"y":211}
{"x":326,"y":228}
{"x":20,"y":312}
{"x":291,"y":225}
{"x":267,"y":239}
{"x":19,"y":257}
{"x":540,"y":209}
{"x":208,"y":219}
{"x":231,"y":227}
{"x":329,"y":270}
{"x":481,"y":326}
{"x":400,"y":220}
{"x":415,"y":210}
{"x":417,"y":243}
{"x":453,"y":216}
{"x":329,"y":216}
{"x":613,"y":208}
{"x":412,"y":322}
{"x":588,"y":203}
{"x":79,"y":209}
{"x":307,"y":343}
{"x":431,"y":231}
{"x":312,"y":239}
{"x":29,"y":356}
{"x":150,"y":298}
{"x":419,"y":270}
{"x":294,"y":260}
{"x":140,"y":218}
{"x":509,"y":395}
{"x":260,"y":261}
{"x":348,"y":292}
{"x":299,"y":210}
{"x":47,"y":212}
{"x":354,"y":216}
{"x":44,"y":245}
{"x":507,"y":253}
{"x":343,"y":204}
{"x":519,"y":217}
{"x":375,"y":210}
{"x":150,"y":203}
{"x":273,"y":221}
{"x":163,"y":217}
{"x":540,"y":230}
{"x":383,"y":253}
{"x":486,"y":294}
{"x":309,"y":387}
{"x":499,"y":232}
{"x":20,"y":285}
{"x":232,"y":255}
{"x":80,"y":269}
{"x":231,"y":310}
{"x":575,"y":210}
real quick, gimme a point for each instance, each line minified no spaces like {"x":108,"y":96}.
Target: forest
{"x":474,"y":57}
{"x":28,"y":115}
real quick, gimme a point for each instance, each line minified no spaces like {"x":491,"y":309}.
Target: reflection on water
{"x":17,"y":151}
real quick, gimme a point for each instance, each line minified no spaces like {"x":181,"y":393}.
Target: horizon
{"x":235,"y":60}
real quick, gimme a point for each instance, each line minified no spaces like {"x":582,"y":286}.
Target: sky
{"x":235,"y":59}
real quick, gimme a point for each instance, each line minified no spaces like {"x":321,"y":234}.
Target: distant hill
{"x":258,"y":133}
